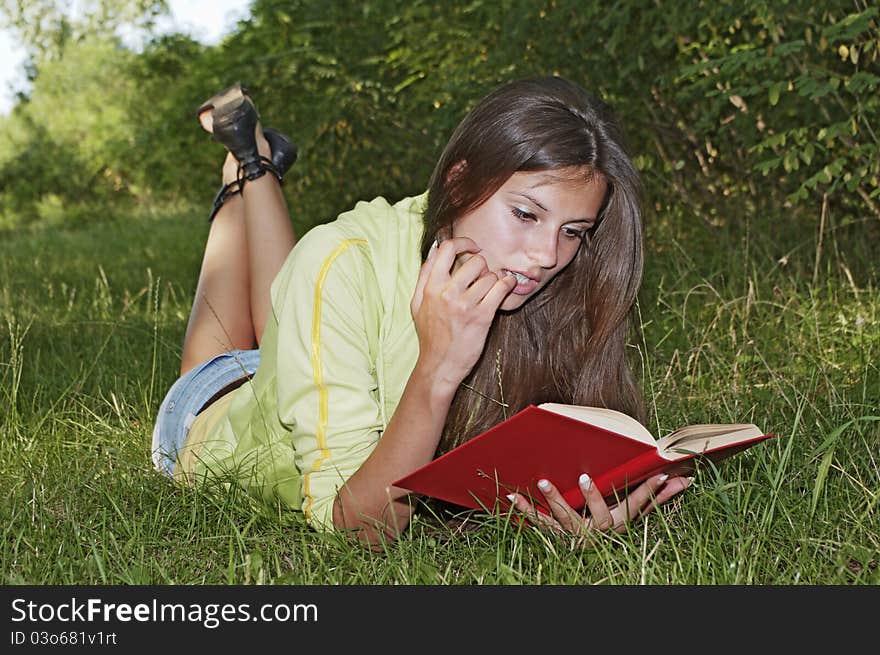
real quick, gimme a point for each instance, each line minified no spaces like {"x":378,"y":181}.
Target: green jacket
{"x":335,"y":357}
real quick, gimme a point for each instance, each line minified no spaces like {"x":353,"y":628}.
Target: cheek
{"x":498,"y":246}
{"x":502,"y":244}
{"x":568,"y":250}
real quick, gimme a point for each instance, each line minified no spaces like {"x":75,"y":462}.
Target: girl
{"x":398,"y":331}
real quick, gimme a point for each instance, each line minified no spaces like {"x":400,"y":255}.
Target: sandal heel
{"x":205,"y":111}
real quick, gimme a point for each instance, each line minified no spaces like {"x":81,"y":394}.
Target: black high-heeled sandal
{"x":284,"y":151}
{"x":233,"y":123}
{"x":205,"y":110}
{"x":284,"y":154}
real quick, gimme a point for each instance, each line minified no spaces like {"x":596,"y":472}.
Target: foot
{"x":205,"y":112}
{"x":231,"y":164}
{"x":232,"y":112}
{"x":283,"y":150}
{"x":272,"y":145}
{"x":232,"y":118}
{"x":235,"y":125}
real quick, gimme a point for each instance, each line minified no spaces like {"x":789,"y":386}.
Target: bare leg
{"x":249,"y":240}
{"x":270,"y":238}
{"x":220,"y":318}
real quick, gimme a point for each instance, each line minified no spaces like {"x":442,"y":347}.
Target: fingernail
{"x":511,"y":498}
{"x":585,"y":481}
{"x":663,"y":478}
{"x":544,"y":485}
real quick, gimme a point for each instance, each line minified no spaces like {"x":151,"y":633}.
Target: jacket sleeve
{"x":328,"y":329}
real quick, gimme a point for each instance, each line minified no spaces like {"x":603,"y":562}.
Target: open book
{"x":559,"y":442}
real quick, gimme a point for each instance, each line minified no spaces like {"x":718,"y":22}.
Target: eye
{"x":572,"y":232}
{"x":522,"y":214}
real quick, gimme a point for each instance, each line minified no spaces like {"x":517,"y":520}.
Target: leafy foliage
{"x":795,"y":88}
{"x":46,"y":27}
{"x":70,"y":141}
{"x":751,"y":116}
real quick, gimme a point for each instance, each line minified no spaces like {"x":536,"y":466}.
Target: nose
{"x":544,"y":247}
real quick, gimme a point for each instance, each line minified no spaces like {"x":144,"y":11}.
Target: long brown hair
{"x":568,"y":343}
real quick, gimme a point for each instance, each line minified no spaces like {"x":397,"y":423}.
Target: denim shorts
{"x":189,"y":395}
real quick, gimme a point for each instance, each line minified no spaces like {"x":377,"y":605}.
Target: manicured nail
{"x":663,"y":478}
{"x":544,"y":485}
{"x":511,"y":498}
{"x":585,"y":481}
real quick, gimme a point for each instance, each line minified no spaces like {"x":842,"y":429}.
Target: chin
{"x":513,"y":302}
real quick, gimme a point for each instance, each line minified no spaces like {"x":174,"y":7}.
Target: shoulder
{"x":370,"y":238}
{"x":378,"y":218}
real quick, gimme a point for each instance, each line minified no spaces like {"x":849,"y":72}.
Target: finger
{"x":672,"y":487}
{"x":662,"y":496}
{"x":636,"y":503}
{"x":480,"y":287}
{"x":446,"y":255}
{"x":469,"y":272}
{"x":569,"y":519}
{"x":535,"y":517}
{"x":499,"y":291}
{"x":424,"y":273}
{"x":600,"y":514}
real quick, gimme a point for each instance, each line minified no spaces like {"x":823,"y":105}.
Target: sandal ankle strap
{"x":224,"y":194}
{"x":255,"y":169}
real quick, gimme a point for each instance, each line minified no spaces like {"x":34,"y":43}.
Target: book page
{"x":700,"y":438}
{"x":608,"y":419}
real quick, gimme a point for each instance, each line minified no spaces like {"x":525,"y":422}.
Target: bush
{"x":748,"y":117}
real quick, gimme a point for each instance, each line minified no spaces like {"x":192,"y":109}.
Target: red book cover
{"x":537,"y":443}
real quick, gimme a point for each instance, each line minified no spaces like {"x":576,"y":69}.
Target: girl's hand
{"x":453,"y":307}
{"x":598,"y":516}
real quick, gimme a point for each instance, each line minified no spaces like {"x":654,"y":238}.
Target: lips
{"x":524,"y":284}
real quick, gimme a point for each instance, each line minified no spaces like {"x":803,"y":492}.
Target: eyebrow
{"x":534,"y":201}
{"x":531,"y":199}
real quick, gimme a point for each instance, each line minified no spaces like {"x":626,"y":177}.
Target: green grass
{"x":91,"y":321}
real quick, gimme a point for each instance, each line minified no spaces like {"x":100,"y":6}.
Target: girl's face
{"x":533,"y":225}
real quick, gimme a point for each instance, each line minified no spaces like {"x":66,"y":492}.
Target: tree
{"x":45,"y":27}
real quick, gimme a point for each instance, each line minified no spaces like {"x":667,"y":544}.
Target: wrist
{"x":437,"y":389}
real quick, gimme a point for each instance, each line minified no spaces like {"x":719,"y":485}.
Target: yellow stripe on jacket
{"x":317,"y":368}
